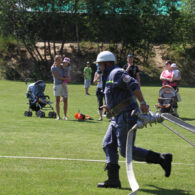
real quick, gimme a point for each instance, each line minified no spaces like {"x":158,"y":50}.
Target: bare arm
{"x":96,"y":78}
{"x":58,"y":76}
{"x":178,"y":77}
{"x":138,"y":78}
{"x":164,"y":78}
{"x":68,"y":78}
{"x":128,"y":67}
{"x":143,"y":106}
{"x":68,"y":73}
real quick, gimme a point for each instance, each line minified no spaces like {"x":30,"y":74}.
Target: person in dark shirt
{"x":132,"y":69}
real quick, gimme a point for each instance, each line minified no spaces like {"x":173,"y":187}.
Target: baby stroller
{"x":37,"y":100}
{"x":167,"y":100}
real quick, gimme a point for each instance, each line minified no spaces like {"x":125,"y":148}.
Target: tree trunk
{"x":49,"y":50}
{"x":77,"y":36}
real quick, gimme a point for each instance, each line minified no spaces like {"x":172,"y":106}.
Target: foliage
{"x":182,"y":49}
{"x":185,"y":59}
{"x":7,"y":46}
{"x":137,"y":25}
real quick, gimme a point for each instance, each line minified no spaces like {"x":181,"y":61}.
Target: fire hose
{"x":143,"y":120}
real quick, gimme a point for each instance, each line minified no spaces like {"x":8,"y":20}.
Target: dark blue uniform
{"x":119,"y":87}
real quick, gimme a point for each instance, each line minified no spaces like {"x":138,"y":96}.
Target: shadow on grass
{"x":187,"y":119}
{"x":81,"y":121}
{"x":125,"y":188}
{"x":84,"y":121}
{"x":162,"y":191}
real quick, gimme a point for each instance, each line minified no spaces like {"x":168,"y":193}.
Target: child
{"x":176,"y":73}
{"x":176,"y":77}
{"x":66,"y":66}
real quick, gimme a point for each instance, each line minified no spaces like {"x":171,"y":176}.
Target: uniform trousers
{"x":116,"y":137}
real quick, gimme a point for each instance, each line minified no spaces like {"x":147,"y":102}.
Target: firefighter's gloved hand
{"x":140,"y":124}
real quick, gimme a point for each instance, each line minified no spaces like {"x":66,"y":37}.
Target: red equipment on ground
{"x":82,"y":117}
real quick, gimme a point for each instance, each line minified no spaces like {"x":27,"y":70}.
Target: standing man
{"x":132,"y":69}
{"x":121,"y":91}
{"x":87,"y":78}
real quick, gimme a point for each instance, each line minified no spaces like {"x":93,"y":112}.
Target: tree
{"x":32,"y":21}
{"x":135,"y":24}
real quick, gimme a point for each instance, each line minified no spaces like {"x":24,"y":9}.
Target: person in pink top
{"x":166,"y":75}
{"x":167,"y":78}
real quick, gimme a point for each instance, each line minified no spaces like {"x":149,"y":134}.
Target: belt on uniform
{"x":120,"y":107}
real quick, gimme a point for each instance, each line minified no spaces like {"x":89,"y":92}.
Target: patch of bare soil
{"x":159,"y":52}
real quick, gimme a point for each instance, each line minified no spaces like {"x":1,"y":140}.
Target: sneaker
{"x":65,"y":118}
{"x":104,"y":114}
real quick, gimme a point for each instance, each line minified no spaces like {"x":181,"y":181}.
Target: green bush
{"x":184,"y":57}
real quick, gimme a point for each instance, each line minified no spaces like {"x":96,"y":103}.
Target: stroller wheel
{"x":40,"y":114}
{"x":52,"y":115}
{"x":28,"y":113}
{"x":165,"y":110}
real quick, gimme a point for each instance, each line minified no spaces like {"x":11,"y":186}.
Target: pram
{"x":37,"y":100}
{"x":167,"y":100}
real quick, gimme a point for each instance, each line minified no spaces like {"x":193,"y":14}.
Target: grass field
{"x":44,"y":137}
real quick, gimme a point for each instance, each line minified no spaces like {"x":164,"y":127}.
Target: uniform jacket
{"x":119,"y":87}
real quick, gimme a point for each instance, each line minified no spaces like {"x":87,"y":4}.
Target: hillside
{"x":18,"y":68}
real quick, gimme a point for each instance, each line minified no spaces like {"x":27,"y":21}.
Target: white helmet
{"x":105,"y":56}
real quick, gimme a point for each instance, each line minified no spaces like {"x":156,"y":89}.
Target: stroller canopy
{"x":36,"y":89}
{"x":167,"y":92}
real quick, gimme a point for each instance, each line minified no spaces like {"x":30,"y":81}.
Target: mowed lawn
{"x":44,"y":137}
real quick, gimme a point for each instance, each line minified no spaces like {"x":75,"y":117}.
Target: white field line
{"x":71,"y":159}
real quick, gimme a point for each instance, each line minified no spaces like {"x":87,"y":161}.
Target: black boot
{"x":163,"y":159}
{"x":113,"y":177}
